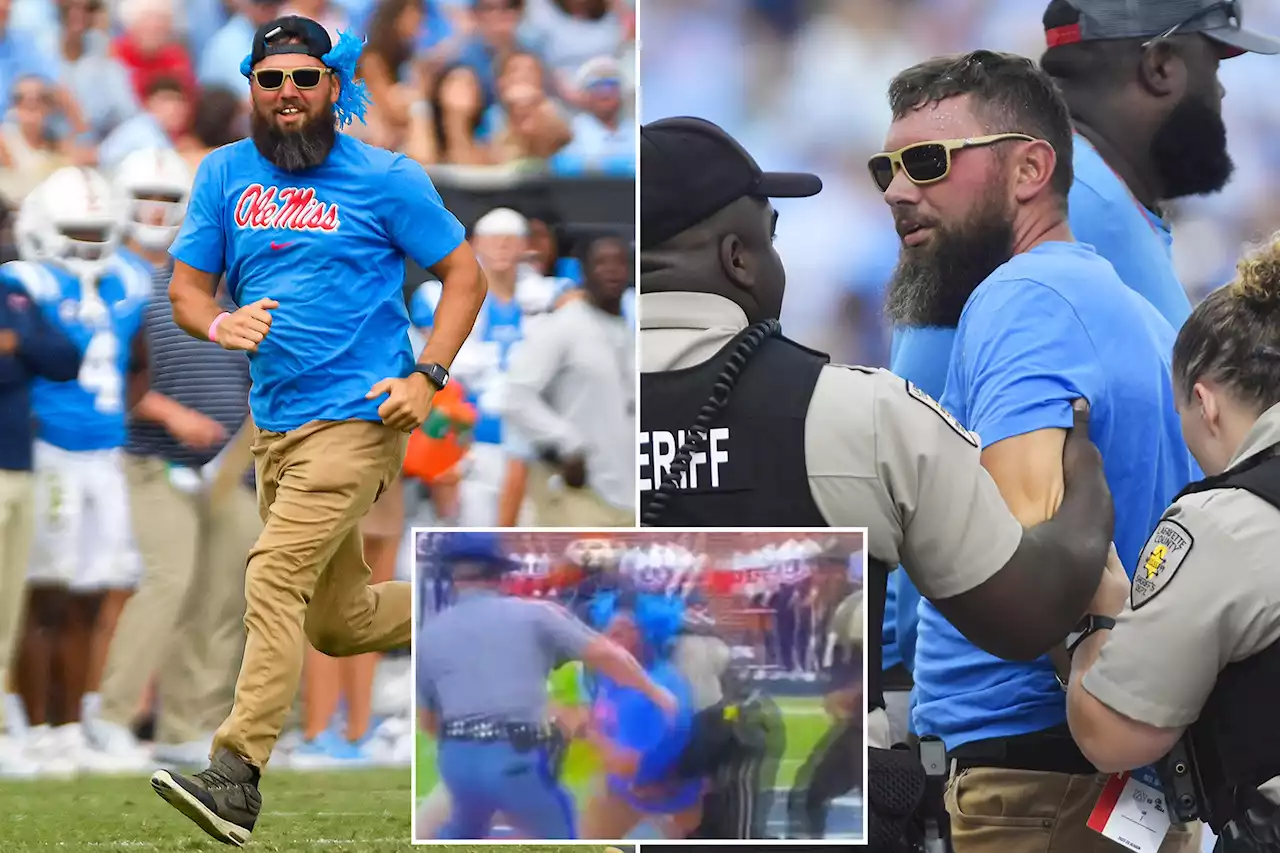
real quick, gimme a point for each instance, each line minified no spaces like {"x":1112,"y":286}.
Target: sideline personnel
{"x":312,"y":228}
{"x":798,"y":442}
{"x":1193,"y":646}
{"x":482,"y":680}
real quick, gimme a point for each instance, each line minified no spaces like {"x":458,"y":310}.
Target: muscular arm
{"x":191,"y":295}
{"x":463,"y":288}
{"x":1027,"y":470}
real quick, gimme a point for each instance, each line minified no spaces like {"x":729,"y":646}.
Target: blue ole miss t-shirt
{"x":329,"y":245}
{"x":1049,"y":326}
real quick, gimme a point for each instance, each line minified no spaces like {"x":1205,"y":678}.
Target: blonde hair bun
{"x":1257,"y":281}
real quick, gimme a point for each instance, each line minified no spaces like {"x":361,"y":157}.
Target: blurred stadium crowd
{"x":787,"y":605}
{"x":521,"y":111}
{"x":803,"y":87}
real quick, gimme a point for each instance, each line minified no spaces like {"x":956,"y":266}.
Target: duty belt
{"x":521,"y":735}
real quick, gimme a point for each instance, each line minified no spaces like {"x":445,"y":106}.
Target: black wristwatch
{"x":435,"y":373}
{"x":1087,"y":627}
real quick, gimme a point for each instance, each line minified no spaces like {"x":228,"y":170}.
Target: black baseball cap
{"x":279,"y":35}
{"x":1072,"y":21}
{"x":691,"y":168}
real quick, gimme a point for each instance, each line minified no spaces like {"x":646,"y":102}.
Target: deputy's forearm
{"x":607,"y":657}
{"x":462,"y":293}
{"x":194,"y":308}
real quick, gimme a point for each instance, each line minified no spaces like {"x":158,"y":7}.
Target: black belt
{"x":1048,"y":751}
{"x":897,"y":679}
{"x":521,"y":734}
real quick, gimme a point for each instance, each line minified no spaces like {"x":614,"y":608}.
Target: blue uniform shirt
{"x":1103,"y":214}
{"x":1051,"y":325}
{"x":329,"y":245}
{"x":89,"y":413}
{"x":498,"y":326}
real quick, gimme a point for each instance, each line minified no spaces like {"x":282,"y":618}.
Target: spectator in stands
{"x":567,"y":33}
{"x":220,"y":118}
{"x":22,"y":56}
{"x":165,"y":118}
{"x":100,"y":84}
{"x":150,"y":48}
{"x":387,"y":68}
{"x":220,"y":62}
{"x":495,"y":40}
{"x":457,"y":108}
{"x":29,"y":152}
{"x":604,"y":134}
{"x":332,"y":16}
{"x":533,"y":128}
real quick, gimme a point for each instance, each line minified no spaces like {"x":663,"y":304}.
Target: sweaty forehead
{"x":288,"y":61}
{"x":950,"y":118}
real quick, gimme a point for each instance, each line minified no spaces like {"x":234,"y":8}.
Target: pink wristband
{"x":213,"y":327}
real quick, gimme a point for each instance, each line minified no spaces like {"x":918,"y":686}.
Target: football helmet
{"x":30,"y":232}
{"x":154,"y":184}
{"x":77,"y":221}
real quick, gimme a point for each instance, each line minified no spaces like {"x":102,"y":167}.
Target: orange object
{"x":437,"y":448}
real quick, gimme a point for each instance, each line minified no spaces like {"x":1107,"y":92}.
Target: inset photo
{"x":641,"y":684}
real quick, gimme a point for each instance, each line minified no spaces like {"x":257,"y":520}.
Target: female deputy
{"x":638,"y":743}
{"x":1193,"y":644}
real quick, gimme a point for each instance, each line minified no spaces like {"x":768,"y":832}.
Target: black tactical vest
{"x":1235,"y":745}
{"x":876,"y":588}
{"x":751,"y":471}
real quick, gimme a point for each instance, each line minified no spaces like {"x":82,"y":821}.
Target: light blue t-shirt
{"x":329,"y":244}
{"x":1103,"y":214}
{"x":88,"y":414}
{"x":1052,"y":325}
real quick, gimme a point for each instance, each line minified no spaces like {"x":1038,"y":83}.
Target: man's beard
{"x":933,"y":282}
{"x":1189,"y":150}
{"x":295,"y":150}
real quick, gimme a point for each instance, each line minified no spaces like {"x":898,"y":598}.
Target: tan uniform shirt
{"x":879,"y":453}
{"x":1205,"y":594}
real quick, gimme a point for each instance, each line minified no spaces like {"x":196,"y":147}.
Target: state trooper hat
{"x":476,"y":548}
{"x":1072,"y":21}
{"x":691,"y":168}
{"x":290,"y":34}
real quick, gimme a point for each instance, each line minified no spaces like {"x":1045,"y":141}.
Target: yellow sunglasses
{"x":271,"y":79}
{"x":928,"y":162}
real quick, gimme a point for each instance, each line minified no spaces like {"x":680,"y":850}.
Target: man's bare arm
{"x":191,"y":295}
{"x":462,"y":293}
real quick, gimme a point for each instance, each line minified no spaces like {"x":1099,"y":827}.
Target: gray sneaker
{"x":222,"y":799}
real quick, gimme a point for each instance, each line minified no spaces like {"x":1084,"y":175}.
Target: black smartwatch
{"x":435,"y":373}
{"x":1087,"y":627}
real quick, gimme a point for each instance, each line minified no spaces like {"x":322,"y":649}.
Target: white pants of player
{"x":84,"y":540}
{"x":486,"y":469}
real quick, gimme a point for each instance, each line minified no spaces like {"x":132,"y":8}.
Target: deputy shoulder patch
{"x":919,"y":394}
{"x":1164,"y":552}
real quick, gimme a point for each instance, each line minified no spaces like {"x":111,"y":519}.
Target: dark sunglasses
{"x":304,"y":78}
{"x":1228,"y":6}
{"x":928,"y":162}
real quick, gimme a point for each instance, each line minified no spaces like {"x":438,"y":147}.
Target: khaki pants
{"x":307,"y":578}
{"x":17,"y":531}
{"x":1023,"y":811}
{"x":185,"y":623}
{"x":571,"y":507}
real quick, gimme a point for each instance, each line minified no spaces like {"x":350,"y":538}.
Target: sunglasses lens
{"x":882,"y":172}
{"x":271,"y":79}
{"x":306,"y":78}
{"x":925,"y":162}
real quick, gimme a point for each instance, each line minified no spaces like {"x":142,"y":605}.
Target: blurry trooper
{"x":482,"y":682}
{"x":571,"y":395}
{"x":1188,"y":658}
{"x":82,"y":534}
{"x":184,"y":625}
{"x":30,"y":346}
{"x":835,"y":765}
{"x":516,"y":291}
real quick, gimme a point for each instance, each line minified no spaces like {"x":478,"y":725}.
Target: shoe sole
{"x":175,"y":795}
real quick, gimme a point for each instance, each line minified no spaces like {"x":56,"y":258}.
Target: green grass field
{"x":805,"y":724}
{"x":364,"y":811}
